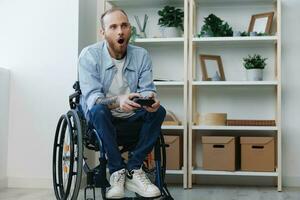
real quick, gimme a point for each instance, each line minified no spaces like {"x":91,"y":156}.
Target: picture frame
{"x":204,"y":70}
{"x":261,"y":23}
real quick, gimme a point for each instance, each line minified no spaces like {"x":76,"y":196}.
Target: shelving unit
{"x":235,"y":40}
{"x":173,"y":91}
{"x":236,"y":128}
{"x":160,"y":41}
{"x":235,"y":96}
{"x":200,"y":171}
{"x":176,"y":61}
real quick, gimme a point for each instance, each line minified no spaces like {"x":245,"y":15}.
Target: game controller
{"x":143,"y":101}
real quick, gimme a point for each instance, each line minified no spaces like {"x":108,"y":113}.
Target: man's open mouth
{"x":121,"y":40}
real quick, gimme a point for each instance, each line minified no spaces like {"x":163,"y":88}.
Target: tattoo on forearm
{"x":111,"y":102}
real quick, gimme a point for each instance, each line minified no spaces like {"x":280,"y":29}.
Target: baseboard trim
{"x":291,"y":181}
{"x":3,"y":183}
{"x":17,"y":182}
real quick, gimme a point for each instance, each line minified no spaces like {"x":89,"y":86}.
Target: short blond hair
{"x":108,"y":12}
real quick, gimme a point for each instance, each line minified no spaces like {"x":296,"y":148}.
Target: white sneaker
{"x":117,"y":180}
{"x":138,"y":182}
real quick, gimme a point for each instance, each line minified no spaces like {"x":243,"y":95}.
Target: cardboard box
{"x":257,"y":154}
{"x":174,"y":152}
{"x":219,"y":153}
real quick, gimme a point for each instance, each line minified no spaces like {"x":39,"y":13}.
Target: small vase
{"x":236,"y":33}
{"x":253,"y":33}
{"x":168,"y":32}
{"x":142,"y":35}
{"x":254,"y":74}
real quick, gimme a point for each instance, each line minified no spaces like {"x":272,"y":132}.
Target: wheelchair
{"x":73,"y":134}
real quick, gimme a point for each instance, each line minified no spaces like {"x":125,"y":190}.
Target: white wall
{"x":4,"y":102}
{"x":39,"y":44}
{"x":290,"y":89}
{"x":87,"y":23}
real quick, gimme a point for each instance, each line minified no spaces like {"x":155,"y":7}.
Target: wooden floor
{"x":197,"y":193}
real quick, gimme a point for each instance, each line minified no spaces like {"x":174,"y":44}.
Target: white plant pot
{"x":170,"y":32}
{"x":254,"y":74}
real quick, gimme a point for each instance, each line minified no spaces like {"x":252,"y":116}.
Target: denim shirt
{"x":96,"y":72}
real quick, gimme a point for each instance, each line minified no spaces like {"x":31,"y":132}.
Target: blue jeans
{"x":102,"y":120}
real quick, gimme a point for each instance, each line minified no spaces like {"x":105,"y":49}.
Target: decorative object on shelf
{"x":237,"y":33}
{"x":261,"y":23}
{"x":171,"y":119}
{"x":215,"y":27}
{"x":214,"y":119}
{"x":142,"y":29}
{"x":253,"y":33}
{"x":246,"y":33}
{"x":254,"y":66}
{"x":250,"y":122}
{"x":215,"y":63}
{"x":196,"y":118}
{"x":171,"y":19}
{"x":216,"y":77}
{"x":134,"y":34}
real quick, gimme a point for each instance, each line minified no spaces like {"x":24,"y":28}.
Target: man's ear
{"x":102,"y":32}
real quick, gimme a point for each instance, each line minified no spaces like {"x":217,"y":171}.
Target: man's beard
{"x":117,"y":49}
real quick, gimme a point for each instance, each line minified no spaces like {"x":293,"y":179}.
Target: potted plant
{"x":134,"y":34}
{"x":215,"y":27}
{"x":254,"y":66}
{"x":171,"y":19}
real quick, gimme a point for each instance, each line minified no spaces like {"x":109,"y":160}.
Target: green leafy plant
{"x":215,"y":27}
{"x":254,"y":62}
{"x":262,"y":34}
{"x":171,"y":17}
{"x":134,"y":34}
{"x":246,"y":33}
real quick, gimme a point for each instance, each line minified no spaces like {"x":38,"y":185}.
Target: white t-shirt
{"x":119,"y":86}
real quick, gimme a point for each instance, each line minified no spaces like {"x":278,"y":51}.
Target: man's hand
{"x":126,"y":103}
{"x":153,"y":107}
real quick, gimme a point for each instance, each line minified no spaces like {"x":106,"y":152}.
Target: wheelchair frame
{"x":68,"y":160}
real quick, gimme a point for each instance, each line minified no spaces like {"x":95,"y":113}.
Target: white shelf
{"x":171,"y":127}
{"x":235,"y":173}
{"x":236,"y":83}
{"x":235,"y":40}
{"x":237,"y":128}
{"x":171,"y":171}
{"x":144,"y":3}
{"x":174,"y":40}
{"x":168,"y":83}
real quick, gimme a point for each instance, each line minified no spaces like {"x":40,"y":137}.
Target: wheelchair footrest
{"x":100,"y":179}
{"x":97,"y":178}
{"x":89,"y":188}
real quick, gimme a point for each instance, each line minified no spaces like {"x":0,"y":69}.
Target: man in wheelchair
{"x":111,"y":74}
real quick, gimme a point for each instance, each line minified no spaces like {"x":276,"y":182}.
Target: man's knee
{"x":100,"y":111}
{"x":161,"y":112}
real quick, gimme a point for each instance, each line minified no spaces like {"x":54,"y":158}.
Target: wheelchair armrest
{"x":75,"y":97}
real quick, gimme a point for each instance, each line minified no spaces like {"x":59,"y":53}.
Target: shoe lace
{"x":140,"y":174}
{"x":119,"y":177}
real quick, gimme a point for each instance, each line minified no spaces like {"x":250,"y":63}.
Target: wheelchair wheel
{"x":67,"y":157}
